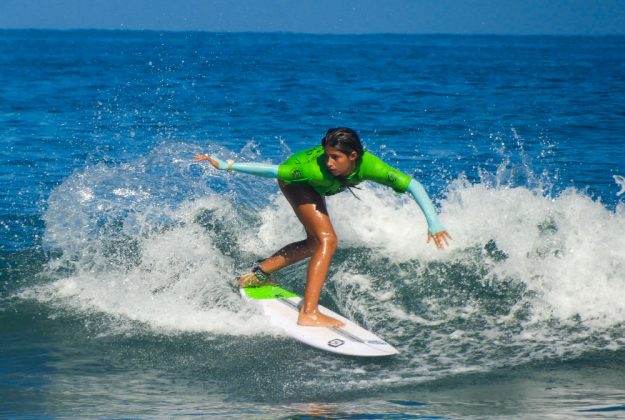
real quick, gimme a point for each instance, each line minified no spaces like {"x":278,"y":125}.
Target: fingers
{"x":438,"y":242}
{"x":441,"y":239}
{"x":444,"y":237}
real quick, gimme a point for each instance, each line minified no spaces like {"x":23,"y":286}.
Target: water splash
{"x":620,"y":181}
{"x":529,"y":276}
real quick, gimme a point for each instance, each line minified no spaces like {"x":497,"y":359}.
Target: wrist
{"x":221,"y":165}
{"x":436,"y":228}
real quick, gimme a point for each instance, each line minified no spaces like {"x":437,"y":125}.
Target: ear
{"x":353,"y":155}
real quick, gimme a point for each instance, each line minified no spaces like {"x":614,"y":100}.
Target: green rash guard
{"x":308,"y":167}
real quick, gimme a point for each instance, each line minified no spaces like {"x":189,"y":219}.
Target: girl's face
{"x":339,"y":163}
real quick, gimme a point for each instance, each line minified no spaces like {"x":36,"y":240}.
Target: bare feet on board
{"x":317,"y":319}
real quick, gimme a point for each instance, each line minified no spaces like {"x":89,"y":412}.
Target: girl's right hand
{"x":217,"y":163}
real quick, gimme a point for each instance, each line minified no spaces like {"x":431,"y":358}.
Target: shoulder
{"x":369,"y":161}
{"x":375,"y":169}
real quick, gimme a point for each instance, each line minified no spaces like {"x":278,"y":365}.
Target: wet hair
{"x":343,"y":139}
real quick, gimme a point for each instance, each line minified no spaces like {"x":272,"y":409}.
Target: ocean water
{"x":118,"y":252}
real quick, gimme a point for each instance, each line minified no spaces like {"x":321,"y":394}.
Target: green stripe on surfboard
{"x":268,"y":292}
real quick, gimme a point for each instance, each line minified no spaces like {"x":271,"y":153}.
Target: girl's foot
{"x":256,"y":278}
{"x":317,"y":319}
{"x":251,"y":280}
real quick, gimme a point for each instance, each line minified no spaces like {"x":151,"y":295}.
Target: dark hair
{"x":344,"y":139}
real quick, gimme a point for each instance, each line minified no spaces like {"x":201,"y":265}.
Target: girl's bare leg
{"x":288,"y":255}
{"x":320,"y":244}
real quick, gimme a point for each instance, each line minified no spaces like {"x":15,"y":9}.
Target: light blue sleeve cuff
{"x":423,"y":200}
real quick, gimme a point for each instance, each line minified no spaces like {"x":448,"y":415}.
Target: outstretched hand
{"x":200,"y":157}
{"x":441,"y":239}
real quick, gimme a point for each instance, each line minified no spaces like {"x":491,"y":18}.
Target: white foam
{"x":182,"y":283}
{"x":568,"y":249}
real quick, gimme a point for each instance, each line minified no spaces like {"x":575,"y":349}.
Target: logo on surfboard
{"x":337,"y":342}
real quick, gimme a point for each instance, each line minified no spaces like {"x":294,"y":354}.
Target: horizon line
{"x":493,"y":34}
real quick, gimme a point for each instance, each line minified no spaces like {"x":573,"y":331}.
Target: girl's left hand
{"x":441,"y":239}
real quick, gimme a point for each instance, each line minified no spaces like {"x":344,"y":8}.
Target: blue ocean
{"x":118,"y":252}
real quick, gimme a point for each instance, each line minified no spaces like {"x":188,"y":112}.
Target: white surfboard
{"x":282,"y":308}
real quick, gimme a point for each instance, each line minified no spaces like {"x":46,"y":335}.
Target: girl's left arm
{"x":376,"y":170}
{"x":436,"y":231}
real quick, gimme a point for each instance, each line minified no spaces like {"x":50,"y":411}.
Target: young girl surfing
{"x":305,"y":179}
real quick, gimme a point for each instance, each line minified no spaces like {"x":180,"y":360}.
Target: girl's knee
{"x":329,"y":241}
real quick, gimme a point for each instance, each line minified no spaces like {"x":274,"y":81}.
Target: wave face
{"x":156,"y":244}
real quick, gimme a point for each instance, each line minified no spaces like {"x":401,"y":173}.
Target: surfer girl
{"x":305,"y":178}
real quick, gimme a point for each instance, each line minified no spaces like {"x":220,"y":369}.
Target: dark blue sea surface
{"x":118,"y":251}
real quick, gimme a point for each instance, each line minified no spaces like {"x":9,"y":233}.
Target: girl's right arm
{"x":266,"y":170}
